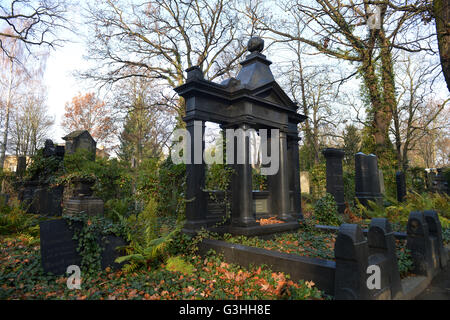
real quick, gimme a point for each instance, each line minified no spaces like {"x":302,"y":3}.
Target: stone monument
{"x":82,"y":199}
{"x":367,"y":179}
{"x":252,"y":100}
{"x":335,"y":179}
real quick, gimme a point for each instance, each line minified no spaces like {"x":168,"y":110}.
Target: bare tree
{"x":31,"y":123}
{"x":415,"y":115}
{"x":159,"y":39}
{"x":346,"y":30}
{"x":32,"y":22}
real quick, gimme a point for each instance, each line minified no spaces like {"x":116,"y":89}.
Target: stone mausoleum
{"x":252,"y":100}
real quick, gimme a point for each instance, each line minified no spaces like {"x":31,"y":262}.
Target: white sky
{"x":63,"y":61}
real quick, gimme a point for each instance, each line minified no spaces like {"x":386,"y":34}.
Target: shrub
{"x":326,"y":212}
{"x":13,"y":220}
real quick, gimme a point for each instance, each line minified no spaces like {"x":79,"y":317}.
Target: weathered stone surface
{"x":367,"y":179}
{"x":419,"y":243}
{"x":89,"y":205}
{"x":58,"y":249}
{"x":435,"y":230}
{"x":381,"y":241}
{"x":351,"y":253}
{"x":335,"y":179}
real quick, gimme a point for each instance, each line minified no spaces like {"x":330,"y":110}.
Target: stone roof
{"x":76,"y":134}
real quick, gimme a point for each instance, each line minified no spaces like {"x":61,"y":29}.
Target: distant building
{"x":10,"y":163}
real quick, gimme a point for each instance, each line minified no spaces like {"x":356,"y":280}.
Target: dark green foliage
{"x":13,"y":220}
{"x":93,"y":230}
{"x":352,"y":142}
{"x":405,"y":262}
{"x":44,"y":170}
{"x":325,"y":211}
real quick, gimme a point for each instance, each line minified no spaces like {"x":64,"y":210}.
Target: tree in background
{"x":31,"y":123}
{"x":352,"y":144}
{"x":344,"y":30}
{"x":31,"y":22}
{"x":416,"y":115}
{"x":159,"y":39}
{"x":87,"y":112}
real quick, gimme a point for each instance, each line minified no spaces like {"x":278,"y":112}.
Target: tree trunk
{"x":441,"y":10}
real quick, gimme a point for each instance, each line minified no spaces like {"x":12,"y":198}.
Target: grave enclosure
{"x":252,"y":100}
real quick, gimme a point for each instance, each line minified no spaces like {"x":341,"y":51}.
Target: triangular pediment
{"x":276,"y":95}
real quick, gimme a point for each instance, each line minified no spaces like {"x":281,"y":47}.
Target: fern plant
{"x":146,"y":244}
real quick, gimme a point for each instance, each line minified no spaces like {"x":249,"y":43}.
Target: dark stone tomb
{"x":252,"y":100}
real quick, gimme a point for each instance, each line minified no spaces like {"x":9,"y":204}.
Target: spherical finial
{"x":255,"y":44}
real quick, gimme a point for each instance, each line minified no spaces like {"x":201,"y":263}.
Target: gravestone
{"x":367,"y":179}
{"x":304,"y":182}
{"x":382,"y":252}
{"x":335,"y":179}
{"x":435,"y":231}
{"x":82,"y":200}
{"x":351,"y":252}
{"x":58,"y":249}
{"x":418,"y":241}
{"x":440,"y":183}
{"x":401,"y":186}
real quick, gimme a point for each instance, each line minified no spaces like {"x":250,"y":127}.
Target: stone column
{"x":294,"y":176}
{"x":195,"y":178}
{"x":278,"y":184}
{"x":335,"y":180}
{"x":242,"y":196}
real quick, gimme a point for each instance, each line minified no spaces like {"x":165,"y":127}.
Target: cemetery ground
{"x":178,"y":273}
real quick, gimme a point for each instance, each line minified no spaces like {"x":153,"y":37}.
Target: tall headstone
{"x":367,"y":179}
{"x":335,"y":180}
{"x":401,"y":186}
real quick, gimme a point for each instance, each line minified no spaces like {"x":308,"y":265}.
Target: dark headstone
{"x":335,"y":180}
{"x":351,"y":252}
{"x":440,"y":183}
{"x":80,"y":140}
{"x":111,"y":251}
{"x":382,"y":248}
{"x":58,"y":249}
{"x":419,"y":243}
{"x":401,"y":186}
{"x":435,"y":231}
{"x":367,"y":179}
{"x":47,"y":200}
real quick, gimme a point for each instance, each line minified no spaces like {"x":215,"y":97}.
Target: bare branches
{"x":33,"y":22}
